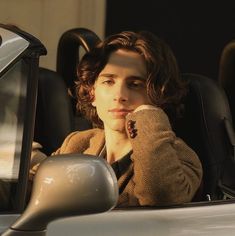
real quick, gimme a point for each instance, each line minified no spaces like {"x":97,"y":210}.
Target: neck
{"x":117,"y":145}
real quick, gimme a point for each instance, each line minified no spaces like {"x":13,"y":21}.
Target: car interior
{"x":206,"y":125}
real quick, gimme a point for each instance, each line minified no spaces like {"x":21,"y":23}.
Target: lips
{"x":120,"y":112}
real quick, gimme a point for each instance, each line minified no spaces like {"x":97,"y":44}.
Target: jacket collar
{"x":97,"y":142}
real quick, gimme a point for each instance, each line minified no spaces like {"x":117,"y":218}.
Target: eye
{"x":136,"y":84}
{"x":107,"y":82}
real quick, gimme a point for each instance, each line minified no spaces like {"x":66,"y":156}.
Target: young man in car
{"x":129,"y":86}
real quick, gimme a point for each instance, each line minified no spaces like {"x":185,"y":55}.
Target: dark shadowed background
{"x":196,"y":30}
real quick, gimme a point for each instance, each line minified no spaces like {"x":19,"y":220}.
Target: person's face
{"x":120,"y":88}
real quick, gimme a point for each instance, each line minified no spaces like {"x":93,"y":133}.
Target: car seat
{"x":204,"y":127}
{"x":226,"y":80}
{"x":54,"y":118}
{"x":56,"y":114}
{"x":227,"y":74}
{"x":69,"y":53}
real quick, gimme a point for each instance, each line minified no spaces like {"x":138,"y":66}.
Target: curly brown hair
{"x":164,"y":86}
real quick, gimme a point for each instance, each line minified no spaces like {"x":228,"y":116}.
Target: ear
{"x":92,"y":94}
{"x":93,"y":103}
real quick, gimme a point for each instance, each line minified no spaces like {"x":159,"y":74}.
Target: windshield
{"x":12,"y":107}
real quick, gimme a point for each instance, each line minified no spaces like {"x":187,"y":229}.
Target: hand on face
{"x":131,"y":124}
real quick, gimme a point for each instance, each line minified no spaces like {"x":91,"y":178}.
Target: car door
{"x":19,"y":56}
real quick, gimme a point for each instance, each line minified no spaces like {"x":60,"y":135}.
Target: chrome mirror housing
{"x":67,"y":185}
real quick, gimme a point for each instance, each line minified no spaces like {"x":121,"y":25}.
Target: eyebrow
{"x":113,"y":76}
{"x":108,"y":75}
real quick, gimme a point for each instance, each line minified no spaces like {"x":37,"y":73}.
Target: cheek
{"x":99,"y":98}
{"x":101,"y":109}
{"x":142,"y":98}
{"x":147,"y":100}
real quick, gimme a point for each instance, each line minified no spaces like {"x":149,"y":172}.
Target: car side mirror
{"x":67,"y":185}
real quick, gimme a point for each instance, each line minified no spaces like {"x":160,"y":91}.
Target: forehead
{"x":126,"y":61}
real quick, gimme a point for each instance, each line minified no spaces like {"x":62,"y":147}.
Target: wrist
{"x":145,"y":107}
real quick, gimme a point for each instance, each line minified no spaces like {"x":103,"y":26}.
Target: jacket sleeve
{"x":166,"y":170}
{"x":75,"y":142}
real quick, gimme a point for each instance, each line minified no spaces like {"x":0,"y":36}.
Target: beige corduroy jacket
{"x":163,"y":169}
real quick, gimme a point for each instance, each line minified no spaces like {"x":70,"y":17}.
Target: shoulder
{"x":78,"y":141}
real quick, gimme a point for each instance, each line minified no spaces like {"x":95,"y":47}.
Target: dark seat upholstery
{"x":54,"y":119}
{"x":204,"y":128}
{"x":68,"y":55}
{"x":227,"y":81}
{"x":227,"y":74}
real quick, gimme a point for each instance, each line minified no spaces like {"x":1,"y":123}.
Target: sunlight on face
{"x":120,"y":88}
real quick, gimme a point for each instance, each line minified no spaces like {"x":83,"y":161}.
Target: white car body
{"x":211,"y":220}
{"x":205,"y":220}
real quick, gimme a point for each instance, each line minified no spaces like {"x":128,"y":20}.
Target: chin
{"x":118,"y":126}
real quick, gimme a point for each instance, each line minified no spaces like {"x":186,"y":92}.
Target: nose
{"x":120,"y":93}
